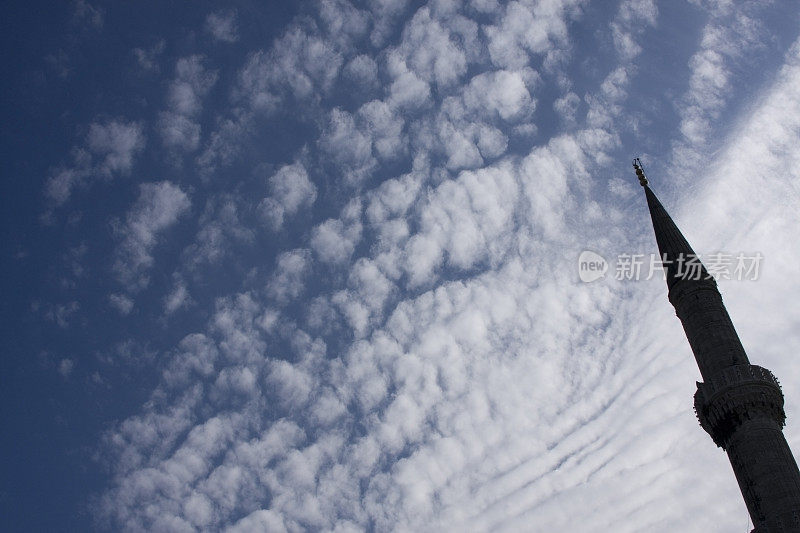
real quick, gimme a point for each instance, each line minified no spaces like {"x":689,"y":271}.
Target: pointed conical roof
{"x":677,"y":256}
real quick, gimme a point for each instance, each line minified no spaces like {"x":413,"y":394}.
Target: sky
{"x":313,"y":266}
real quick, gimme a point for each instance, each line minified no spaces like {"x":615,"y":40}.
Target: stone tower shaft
{"x":694,"y":295}
{"x":740,"y":405}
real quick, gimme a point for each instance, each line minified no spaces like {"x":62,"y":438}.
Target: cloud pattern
{"x":405,"y":344}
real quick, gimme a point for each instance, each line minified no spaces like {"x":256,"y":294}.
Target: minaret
{"x":740,"y":405}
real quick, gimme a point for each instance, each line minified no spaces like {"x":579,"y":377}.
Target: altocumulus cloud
{"x":158,"y":207}
{"x":359,"y":280}
{"x":109,"y":150}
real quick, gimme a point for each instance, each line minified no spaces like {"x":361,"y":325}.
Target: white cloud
{"x":261,"y":520}
{"x":362,"y":305}
{"x":121,"y":303}
{"x":728,"y":37}
{"x":636,"y":11}
{"x":454,"y":373}
{"x":430,"y":51}
{"x":469,"y":132}
{"x":630,"y":23}
{"x":178,"y":125}
{"x":59,"y":186}
{"x":62,"y":314}
{"x":358,"y":143}
{"x":221,"y":228}
{"x":109,"y":150}
{"x":502,"y":92}
{"x":484,"y":6}
{"x":460,"y":147}
{"x":158,"y":207}
{"x":466,"y":221}
{"x":349,"y":148}
{"x":177,"y":298}
{"x":224,"y":144}
{"x":179,"y":130}
{"x":393,"y":197}
{"x":407,"y":90}
{"x":605,"y":106}
{"x":342,"y":22}
{"x":384,"y":14}
{"x":147,"y":58}
{"x":752,"y":180}
{"x":363,"y":70}
{"x":195,"y":356}
{"x":65,"y":367}
{"x":288,"y":280}
{"x":290,"y":189}
{"x":222,"y":26}
{"x":335,"y":239}
{"x":85,"y":13}
{"x":528,"y":27}
{"x":192,"y":81}
{"x":385,"y":127}
{"x":301,"y":65}
{"x":115,"y":143}
{"x":567,"y":107}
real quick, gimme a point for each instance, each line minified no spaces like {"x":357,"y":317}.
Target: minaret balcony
{"x":735,"y":395}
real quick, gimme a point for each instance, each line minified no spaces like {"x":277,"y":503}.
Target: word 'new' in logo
{"x":591,"y":266}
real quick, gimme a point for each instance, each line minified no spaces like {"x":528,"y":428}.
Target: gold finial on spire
{"x":637,"y":164}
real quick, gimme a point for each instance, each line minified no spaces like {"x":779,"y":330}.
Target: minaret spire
{"x":676,"y":254}
{"x":740,"y":405}
{"x":637,"y":164}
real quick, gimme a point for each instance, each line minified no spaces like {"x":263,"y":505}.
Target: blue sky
{"x":313,"y":265}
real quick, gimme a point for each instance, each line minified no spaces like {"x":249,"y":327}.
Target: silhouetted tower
{"x":740,"y":405}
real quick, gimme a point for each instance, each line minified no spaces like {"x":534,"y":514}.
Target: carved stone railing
{"x":734,"y":395}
